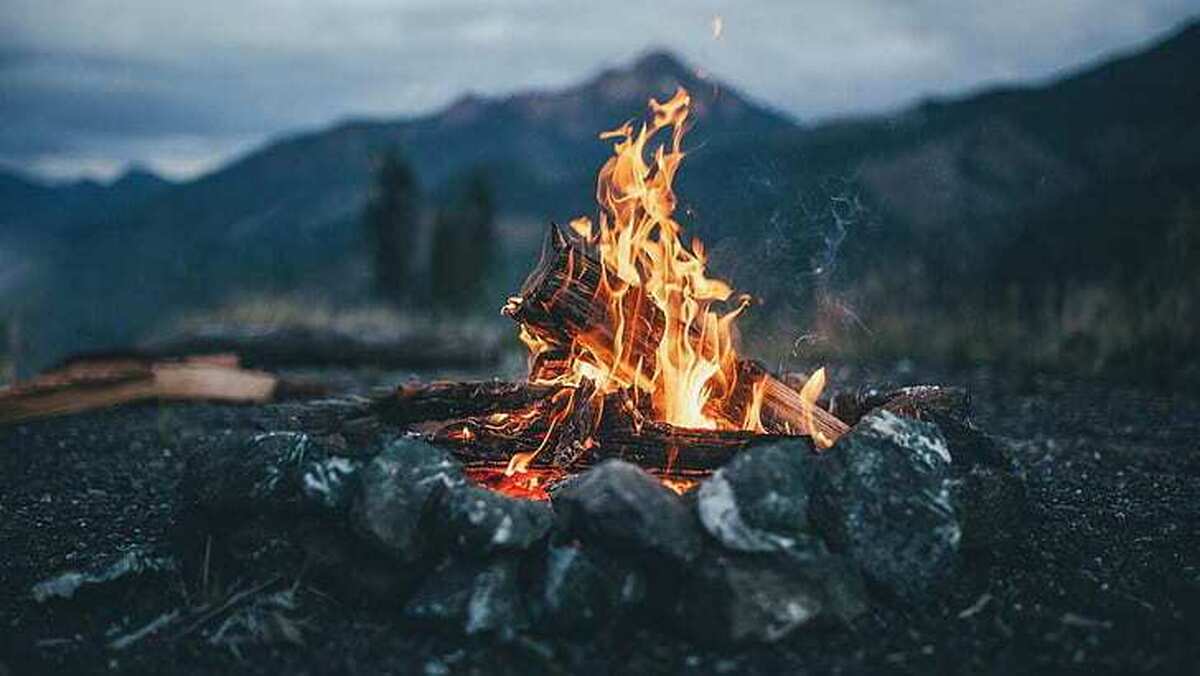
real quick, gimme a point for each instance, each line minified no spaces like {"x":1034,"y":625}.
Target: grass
{"x":299,"y":311}
{"x":1104,"y":330}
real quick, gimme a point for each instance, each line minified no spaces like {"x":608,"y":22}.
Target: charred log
{"x":574,"y":440}
{"x":616,"y":429}
{"x":447,"y":400}
{"x":656,"y":445}
{"x":561,"y":303}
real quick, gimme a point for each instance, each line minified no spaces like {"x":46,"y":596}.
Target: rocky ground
{"x":1103,"y":574}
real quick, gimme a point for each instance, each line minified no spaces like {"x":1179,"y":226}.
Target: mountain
{"x":1016,"y":197}
{"x":31,"y":209}
{"x":1065,"y":210}
{"x":287,"y":214}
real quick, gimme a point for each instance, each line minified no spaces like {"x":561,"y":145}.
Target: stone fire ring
{"x":778,"y":539}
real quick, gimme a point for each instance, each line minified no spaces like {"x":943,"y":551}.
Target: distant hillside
{"x":287,"y":214}
{"x":1011,"y":202}
{"x":31,"y":208}
{"x":1066,"y":209}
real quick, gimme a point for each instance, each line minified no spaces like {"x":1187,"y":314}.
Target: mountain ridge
{"x":943,"y":185}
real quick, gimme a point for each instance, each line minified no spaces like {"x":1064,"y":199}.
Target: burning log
{"x":574,"y":439}
{"x":447,"y":400}
{"x":561,"y":301}
{"x":656,"y":446}
{"x":505,"y":419}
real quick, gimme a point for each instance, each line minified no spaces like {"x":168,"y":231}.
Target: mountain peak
{"x":660,"y":63}
{"x":656,"y":71}
{"x":137,"y":176}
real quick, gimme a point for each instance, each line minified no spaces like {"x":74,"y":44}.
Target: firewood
{"x":573,"y":441}
{"x":446,"y":400}
{"x":560,"y":301}
{"x":85,"y":384}
{"x":655,"y":445}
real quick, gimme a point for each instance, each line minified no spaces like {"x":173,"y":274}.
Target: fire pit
{"x":644,"y":471}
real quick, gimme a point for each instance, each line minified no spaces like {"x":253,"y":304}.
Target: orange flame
{"x":639,"y":243}
{"x":649,"y":278}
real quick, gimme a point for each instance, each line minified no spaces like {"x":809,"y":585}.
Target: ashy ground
{"x":1103,"y":577}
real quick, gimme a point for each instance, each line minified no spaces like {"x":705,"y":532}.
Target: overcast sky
{"x":90,"y":86}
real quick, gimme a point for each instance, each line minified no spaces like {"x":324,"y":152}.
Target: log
{"x":560,"y":302}
{"x":574,"y":439}
{"x":915,"y":401}
{"x":671,"y":450}
{"x":271,"y":347}
{"x":82,"y":385}
{"x":445,"y":400}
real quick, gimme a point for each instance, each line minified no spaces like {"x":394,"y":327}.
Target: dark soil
{"x":1105,"y":576}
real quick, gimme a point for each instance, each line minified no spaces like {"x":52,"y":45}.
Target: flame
{"x":638,"y":240}
{"x":668,"y":335}
{"x":808,"y":394}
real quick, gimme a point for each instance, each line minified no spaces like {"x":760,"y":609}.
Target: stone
{"x":580,"y":589}
{"x":989,"y":487}
{"x":758,"y":502}
{"x":619,"y":506}
{"x":733,"y":597}
{"x":269,"y":472}
{"x":989,"y":490}
{"x":883,"y":497}
{"x":396,"y":494}
{"x":480,"y":522}
{"x":575,"y":594}
{"x":471,"y":597}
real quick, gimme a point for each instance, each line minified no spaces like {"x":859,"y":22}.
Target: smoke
{"x":811,"y":233}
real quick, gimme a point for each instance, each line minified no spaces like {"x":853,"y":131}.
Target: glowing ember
{"x":529,"y":485}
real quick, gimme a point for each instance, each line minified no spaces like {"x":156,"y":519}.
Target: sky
{"x":91,"y":87}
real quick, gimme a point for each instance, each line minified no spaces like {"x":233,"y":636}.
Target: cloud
{"x":183,"y":86}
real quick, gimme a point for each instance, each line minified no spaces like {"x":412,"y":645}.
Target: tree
{"x":464,"y":245}
{"x":391,"y":223}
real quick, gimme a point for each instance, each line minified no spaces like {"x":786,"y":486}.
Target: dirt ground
{"x":1103,"y":578}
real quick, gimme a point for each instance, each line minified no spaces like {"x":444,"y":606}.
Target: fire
{"x":668,"y":332}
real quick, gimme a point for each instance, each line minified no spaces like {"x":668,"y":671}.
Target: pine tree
{"x":464,"y":246}
{"x":391,"y":227}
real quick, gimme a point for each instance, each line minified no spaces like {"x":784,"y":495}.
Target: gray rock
{"x":581,"y":589}
{"x":397,"y":491}
{"x":480,"y":522}
{"x":732,"y":598}
{"x":327,"y":482}
{"x":883,"y":496}
{"x":575,"y":594}
{"x":759,"y":501}
{"x":989,"y":488}
{"x":619,"y":506}
{"x":989,"y":491}
{"x":269,"y":472}
{"x":471,"y":597}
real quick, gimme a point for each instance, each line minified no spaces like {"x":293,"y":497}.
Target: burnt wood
{"x":560,"y":303}
{"x":657,"y":446}
{"x":447,"y":400}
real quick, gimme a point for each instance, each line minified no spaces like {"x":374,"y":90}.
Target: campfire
{"x":632,"y":346}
